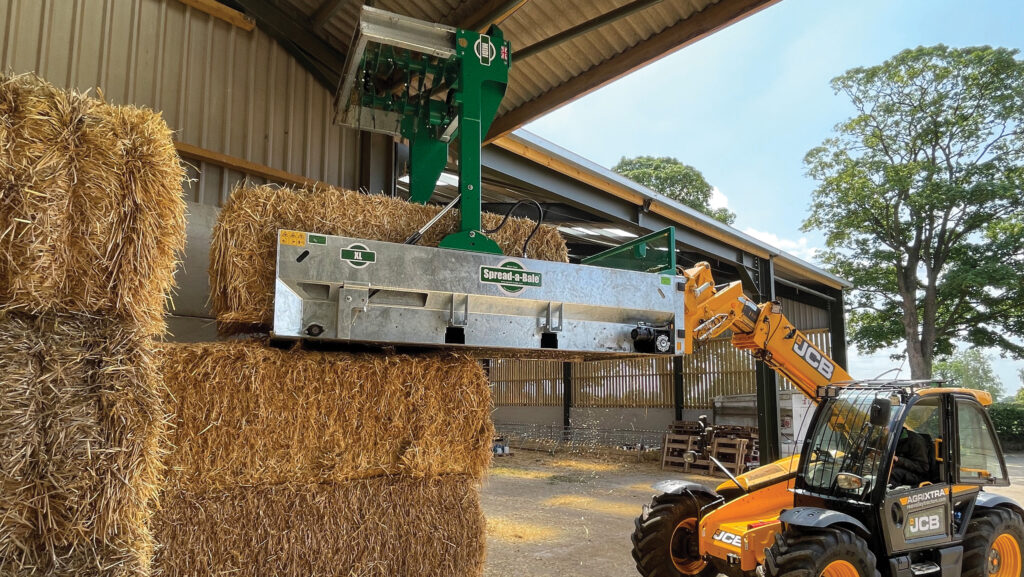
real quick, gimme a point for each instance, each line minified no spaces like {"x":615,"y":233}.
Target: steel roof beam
{"x":325,"y":12}
{"x":588,"y":26}
{"x":321,"y":59}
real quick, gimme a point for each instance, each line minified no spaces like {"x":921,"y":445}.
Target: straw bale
{"x":92,"y":216}
{"x":380,"y":527}
{"x":81,"y":423}
{"x":244,"y":245}
{"x":249,"y":414}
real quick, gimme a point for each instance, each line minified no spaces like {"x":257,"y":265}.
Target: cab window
{"x":978,"y":453}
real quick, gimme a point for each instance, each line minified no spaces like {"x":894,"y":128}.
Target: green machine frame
{"x":430,"y":84}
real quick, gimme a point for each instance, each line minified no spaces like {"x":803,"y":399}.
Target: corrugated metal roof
{"x":785,"y":263}
{"x":563,"y":72}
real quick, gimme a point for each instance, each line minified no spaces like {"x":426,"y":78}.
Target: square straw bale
{"x":380,"y":527}
{"x":81,"y":422}
{"x":92,"y":217}
{"x":245,"y":413}
{"x":244,"y":245}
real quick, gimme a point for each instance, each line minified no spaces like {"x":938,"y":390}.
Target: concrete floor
{"x":569,"y":516}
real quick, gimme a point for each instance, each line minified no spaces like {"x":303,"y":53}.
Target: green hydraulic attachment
{"x":429,"y":84}
{"x":655,"y":252}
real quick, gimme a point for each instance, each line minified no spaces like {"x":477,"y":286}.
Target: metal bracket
{"x":459,"y":312}
{"x":553,"y":323}
{"x":352,"y":300}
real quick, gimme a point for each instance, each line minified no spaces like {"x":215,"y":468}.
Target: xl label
{"x":358,"y":255}
{"x":510,"y":276}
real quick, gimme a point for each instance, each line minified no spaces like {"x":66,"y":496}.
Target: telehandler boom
{"x":858,"y":501}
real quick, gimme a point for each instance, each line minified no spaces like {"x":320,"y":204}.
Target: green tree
{"x":919,"y":196}
{"x":971,"y":369}
{"x":1019,"y":398}
{"x":678,"y":181}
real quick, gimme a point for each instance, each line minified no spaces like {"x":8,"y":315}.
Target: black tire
{"x":800,"y":552}
{"x":656,"y":530}
{"x":979,"y":543}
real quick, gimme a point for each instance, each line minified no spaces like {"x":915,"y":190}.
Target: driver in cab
{"x":910,"y":464}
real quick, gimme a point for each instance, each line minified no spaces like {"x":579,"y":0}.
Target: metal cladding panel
{"x":221,"y":88}
{"x":806,"y":317}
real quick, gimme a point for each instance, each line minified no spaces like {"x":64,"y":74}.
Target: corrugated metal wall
{"x":806,"y":317}
{"x":220,"y":87}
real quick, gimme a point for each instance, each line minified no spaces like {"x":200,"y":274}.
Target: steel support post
{"x":767,"y":387}
{"x":566,"y":401}
{"x":677,"y":386}
{"x":837,"y":328}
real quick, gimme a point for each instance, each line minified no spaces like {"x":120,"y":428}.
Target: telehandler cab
{"x":836,"y":509}
{"x":890,"y":479}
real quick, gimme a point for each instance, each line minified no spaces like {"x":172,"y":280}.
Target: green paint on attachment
{"x":666,"y":280}
{"x":316,"y":239}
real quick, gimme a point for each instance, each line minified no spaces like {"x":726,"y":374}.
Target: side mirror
{"x":880,"y":409}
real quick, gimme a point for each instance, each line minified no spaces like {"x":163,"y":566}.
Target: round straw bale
{"x":244,"y":244}
{"x":245,"y":413}
{"x":380,"y":527}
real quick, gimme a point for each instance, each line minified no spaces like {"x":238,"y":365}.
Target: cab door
{"x":921,"y":516}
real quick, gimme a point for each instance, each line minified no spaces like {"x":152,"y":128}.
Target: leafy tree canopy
{"x":920,"y":198}
{"x":678,"y":181}
{"x":971,"y":369}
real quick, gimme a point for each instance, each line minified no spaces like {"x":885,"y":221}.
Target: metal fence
{"x":714,"y":369}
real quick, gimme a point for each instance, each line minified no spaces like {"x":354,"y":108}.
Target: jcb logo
{"x":925,"y":523}
{"x":813,"y":357}
{"x":728,"y":538}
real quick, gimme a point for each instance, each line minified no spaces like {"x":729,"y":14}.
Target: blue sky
{"x":745,"y":104}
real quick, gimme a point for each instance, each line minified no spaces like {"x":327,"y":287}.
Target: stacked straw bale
{"x":91,"y":222}
{"x":91,"y":212}
{"x":244,"y":246}
{"x":296,"y":463}
{"x":81,"y":422}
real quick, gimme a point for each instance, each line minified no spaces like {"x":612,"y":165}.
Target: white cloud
{"x":718,"y":200}
{"x":800,"y":248}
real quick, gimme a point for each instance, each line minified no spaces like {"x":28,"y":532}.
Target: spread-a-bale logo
{"x":358,"y":255}
{"x":510,"y":276}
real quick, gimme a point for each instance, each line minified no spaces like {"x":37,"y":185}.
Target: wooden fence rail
{"x":714,"y":369}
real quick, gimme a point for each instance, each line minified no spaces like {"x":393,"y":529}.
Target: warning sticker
{"x":293,"y":238}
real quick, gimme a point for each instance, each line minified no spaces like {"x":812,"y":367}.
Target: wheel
{"x":665,"y":538}
{"x":825,"y":552}
{"x":992,"y":544}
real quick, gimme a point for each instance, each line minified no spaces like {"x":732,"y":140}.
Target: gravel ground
{"x":568,"y":516}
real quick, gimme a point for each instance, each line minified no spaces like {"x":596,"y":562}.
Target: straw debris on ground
{"x":248,"y":414}
{"x":379,"y":527}
{"x":92,"y":216}
{"x":244,"y":246}
{"x":81,"y":423}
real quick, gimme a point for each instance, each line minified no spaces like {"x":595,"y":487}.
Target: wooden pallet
{"x":673,"y":448}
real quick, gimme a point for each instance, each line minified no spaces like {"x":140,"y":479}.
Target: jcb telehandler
{"x":846,"y":506}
